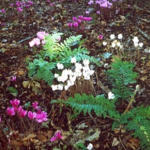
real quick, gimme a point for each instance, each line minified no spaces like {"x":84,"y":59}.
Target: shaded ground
{"x":21,"y":27}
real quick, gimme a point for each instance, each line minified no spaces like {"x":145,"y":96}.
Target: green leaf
{"x":106,"y":55}
{"x":12,"y":91}
{"x":27,"y":105}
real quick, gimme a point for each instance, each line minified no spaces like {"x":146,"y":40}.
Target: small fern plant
{"x":88,"y":103}
{"x":44,"y":64}
{"x":121,"y":75}
{"x":138,"y":121}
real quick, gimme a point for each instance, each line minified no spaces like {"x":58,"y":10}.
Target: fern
{"x":137,"y":120}
{"x":88,"y":104}
{"x":121,"y":75}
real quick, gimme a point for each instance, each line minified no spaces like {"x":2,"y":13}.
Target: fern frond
{"x":88,"y":104}
{"x":137,"y":120}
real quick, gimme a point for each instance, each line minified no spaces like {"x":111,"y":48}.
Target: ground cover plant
{"x":74,"y":75}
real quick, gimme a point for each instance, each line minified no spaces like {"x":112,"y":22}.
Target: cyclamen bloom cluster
{"x":39,"y":116}
{"x":19,"y":5}
{"x":70,"y":76}
{"x":103,"y":3}
{"x":136,"y":42}
{"x":78,"y":20}
{"x":40,"y":36}
{"x":115,"y":42}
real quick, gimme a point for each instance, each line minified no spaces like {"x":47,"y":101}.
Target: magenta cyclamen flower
{"x":57,"y":136}
{"x":13,"y":78}
{"x":11,"y":111}
{"x":19,"y":9}
{"x":30,"y":2}
{"x":0,"y":119}
{"x":18,"y":4}
{"x":35,"y":105}
{"x":41,"y":116}
{"x":70,"y":24}
{"x":75,"y":24}
{"x":100,"y":37}
{"x":15,"y":103}
{"x":2,"y":10}
{"x":32,"y":115}
{"x":21,"y":112}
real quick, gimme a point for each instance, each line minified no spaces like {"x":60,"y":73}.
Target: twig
{"x":26,"y":39}
{"x":143,"y":33}
{"x":93,"y":119}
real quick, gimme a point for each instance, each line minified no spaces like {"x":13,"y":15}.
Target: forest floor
{"x":129,"y":18}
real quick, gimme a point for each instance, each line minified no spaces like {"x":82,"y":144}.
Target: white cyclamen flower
{"x":141,"y":44}
{"x":113,"y":44}
{"x":86,"y":62}
{"x":118,"y":43}
{"x":111,"y":95}
{"x":120,"y":36}
{"x":135,"y":39}
{"x":54,"y":87}
{"x":78,"y":66}
{"x":73,"y":60}
{"x":112,"y":36}
{"x":104,"y":43}
{"x":60,"y":87}
{"x":56,"y":75}
{"x":90,"y":146}
{"x":60,"y":66}
{"x":136,"y":44}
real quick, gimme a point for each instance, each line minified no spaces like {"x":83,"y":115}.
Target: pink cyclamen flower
{"x":2,"y":24}
{"x":30,"y":2}
{"x":35,"y":41}
{"x":11,"y":111}
{"x":32,"y":115}
{"x":11,"y":5}
{"x":70,"y":24}
{"x":15,"y":103}
{"x":19,"y":9}
{"x":41,"y":116}
{"x":18,"y":4}
{"x":98,"y":12}
{"x":81,"y":17}
{"x":35,"y":105}
{"x":0,"y":119}
{"x":100,"y":37}
{"x":87,"y":12}
{"x":74,"y":18}
{"x":22,"y":113}
{"x":57,"y":136}
{"x":75,"y":24}
{"x":87,"y":18}
{"x":79,"y":20}
{"x":90,"y":2}
{"x":13,"y":78}
{"x":3,"y":10}
{"x":41,"y":35}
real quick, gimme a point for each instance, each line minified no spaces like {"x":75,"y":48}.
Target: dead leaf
{"x":30,"y":136}
{"x":41,"y":137}
{"x":25,"y":84}
{"x":115,"y":142}
{"x":15,"y":143}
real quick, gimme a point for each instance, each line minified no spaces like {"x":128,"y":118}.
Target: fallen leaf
{"x":30,"y":136}
{"x":115,"y":142}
